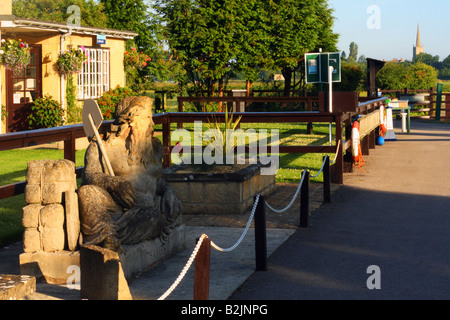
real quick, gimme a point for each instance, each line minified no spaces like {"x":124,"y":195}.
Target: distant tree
{"x":428,"y":59}
{"x":401,"y":75}
{"x":353,"y":53}
{"x":56,"y":11}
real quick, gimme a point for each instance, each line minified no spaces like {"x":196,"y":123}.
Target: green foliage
{"x":401,"y":75}
{"x":46,"y":113}
{"x":213,"y":38}
{"x":56,"y":10}
{"x":352,"y":77}
{"x":110,"y":99}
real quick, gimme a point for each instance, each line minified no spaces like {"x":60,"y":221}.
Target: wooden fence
{"x":342,"y":122}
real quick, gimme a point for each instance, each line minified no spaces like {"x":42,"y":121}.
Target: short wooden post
{"x":166,"y":143}
{"x":326,"y":180}
{"x":260,"y":235}
{"x":201,"y":271}
{"x":304,"y":201}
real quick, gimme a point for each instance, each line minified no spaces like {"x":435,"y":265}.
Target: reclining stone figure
{"x":134,"y":204}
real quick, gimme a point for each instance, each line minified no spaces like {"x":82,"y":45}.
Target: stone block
{"x":102,"y":277}
{"x":72,"y":220}
{"x":16,"y":287}
{"x":30,"y":215}
{"x":196,"y":191}
{"x":52,"y":267}
{"x":52,"y":239}
{"x":31,"y":240}
{"x":58,"y":171}
{"x":137,"y":258}
{"x":53,"y":192}
{"x":52,"y":216}
{"x":33,"y":193}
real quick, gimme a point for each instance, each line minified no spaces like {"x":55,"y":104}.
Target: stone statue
{"x":134,"y":204}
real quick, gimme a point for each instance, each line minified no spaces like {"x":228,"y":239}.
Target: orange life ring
{"x":358,"y":159}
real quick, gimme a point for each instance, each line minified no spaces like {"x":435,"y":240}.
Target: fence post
{"x":201,"y":271}
{"x":326,"y":180}
{"x":166,"y":143}
{"x":438,"y":101}
{"x":304,"y":201}
{"x":260,"y":235}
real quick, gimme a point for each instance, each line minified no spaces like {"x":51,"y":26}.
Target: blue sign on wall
{"x":101,"y":39}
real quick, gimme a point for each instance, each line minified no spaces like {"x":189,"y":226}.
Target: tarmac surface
{"x":386,"y":228}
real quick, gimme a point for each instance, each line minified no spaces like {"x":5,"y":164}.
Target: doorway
{"x":22,"y":90}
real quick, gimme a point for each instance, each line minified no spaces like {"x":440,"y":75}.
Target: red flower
{"x":144,"y":63}
{"x":133,"y":49}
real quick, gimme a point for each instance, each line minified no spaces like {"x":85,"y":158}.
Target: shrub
{"x":351,"y":78}
{"x":422,"y":76}
{"x":46,"y":113}
{"x":398,"y":76}
{"x":110,"y":99}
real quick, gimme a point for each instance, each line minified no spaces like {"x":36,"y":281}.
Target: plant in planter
{"x":15,"y":55}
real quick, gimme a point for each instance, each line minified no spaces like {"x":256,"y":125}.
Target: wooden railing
{"x":342,"y":122}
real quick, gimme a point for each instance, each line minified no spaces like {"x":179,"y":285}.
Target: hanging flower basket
{"x":71,"y":61}
{"x":15,"y":55}
{"x":135,"y":60}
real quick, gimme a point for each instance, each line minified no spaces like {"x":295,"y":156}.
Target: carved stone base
{"x":138,"y":258}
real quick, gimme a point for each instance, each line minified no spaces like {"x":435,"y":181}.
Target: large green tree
{"x":212,"y":37}
{"x":56,"y":10}
{"x":200,"y":35}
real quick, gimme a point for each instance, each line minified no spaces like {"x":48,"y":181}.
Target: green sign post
{"x":317,"y":67}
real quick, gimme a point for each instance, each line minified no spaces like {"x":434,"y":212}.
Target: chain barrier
{"x":321,"y":169}
{"x":243,"y":233}
{"x":337,"y":152}
{"x":216,"y":247}
{"x":185,"y":269}
{"x":293,"y":199}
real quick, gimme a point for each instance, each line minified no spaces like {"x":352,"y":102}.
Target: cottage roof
{"x":32,"y":25}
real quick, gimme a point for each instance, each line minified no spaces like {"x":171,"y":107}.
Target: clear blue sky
{"x":395,"y":34}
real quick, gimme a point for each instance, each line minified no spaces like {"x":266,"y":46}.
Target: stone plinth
{"x":102,"y":276}
{"x":52,"y":267}
{"x":16,"y":287}
{"x":219,"y":192}
{"x":137,"y":258}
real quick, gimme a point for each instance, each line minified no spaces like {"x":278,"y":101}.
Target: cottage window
{"x":93,"y":79}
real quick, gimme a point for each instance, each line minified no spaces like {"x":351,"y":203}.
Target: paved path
{"x":395,"y":216}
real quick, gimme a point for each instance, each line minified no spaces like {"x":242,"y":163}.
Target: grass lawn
{"x":291,"y":166}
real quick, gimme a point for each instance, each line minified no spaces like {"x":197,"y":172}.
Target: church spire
{"x":418,"y":44}
{"x":418,"y":49}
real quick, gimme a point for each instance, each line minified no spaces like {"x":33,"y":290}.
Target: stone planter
{"x":228,"y":190}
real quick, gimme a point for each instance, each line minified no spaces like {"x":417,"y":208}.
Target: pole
{"x":326,"y":180}
{"x":202,"y":270}
{"x":260,"y":236}
{"x":330,"y":83}
{"x":304,"y":201}
{"x":438,"y":101}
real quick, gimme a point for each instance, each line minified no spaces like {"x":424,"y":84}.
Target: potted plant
{"x":14,"y":55}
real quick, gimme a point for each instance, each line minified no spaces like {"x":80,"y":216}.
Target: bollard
{"x":326,"y":180}
{"x":201,"y":271}
{"x":260,"y":236}
{"x":304,"y":201}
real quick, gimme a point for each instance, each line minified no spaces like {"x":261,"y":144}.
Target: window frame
{"x":93,"y":86}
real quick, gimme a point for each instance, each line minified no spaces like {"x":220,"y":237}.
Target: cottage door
{"x":21,"y":90}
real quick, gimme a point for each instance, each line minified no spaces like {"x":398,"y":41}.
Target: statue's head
{"x":132,"y":111}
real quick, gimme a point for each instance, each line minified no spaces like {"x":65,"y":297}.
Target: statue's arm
{"x":120,"y":189}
